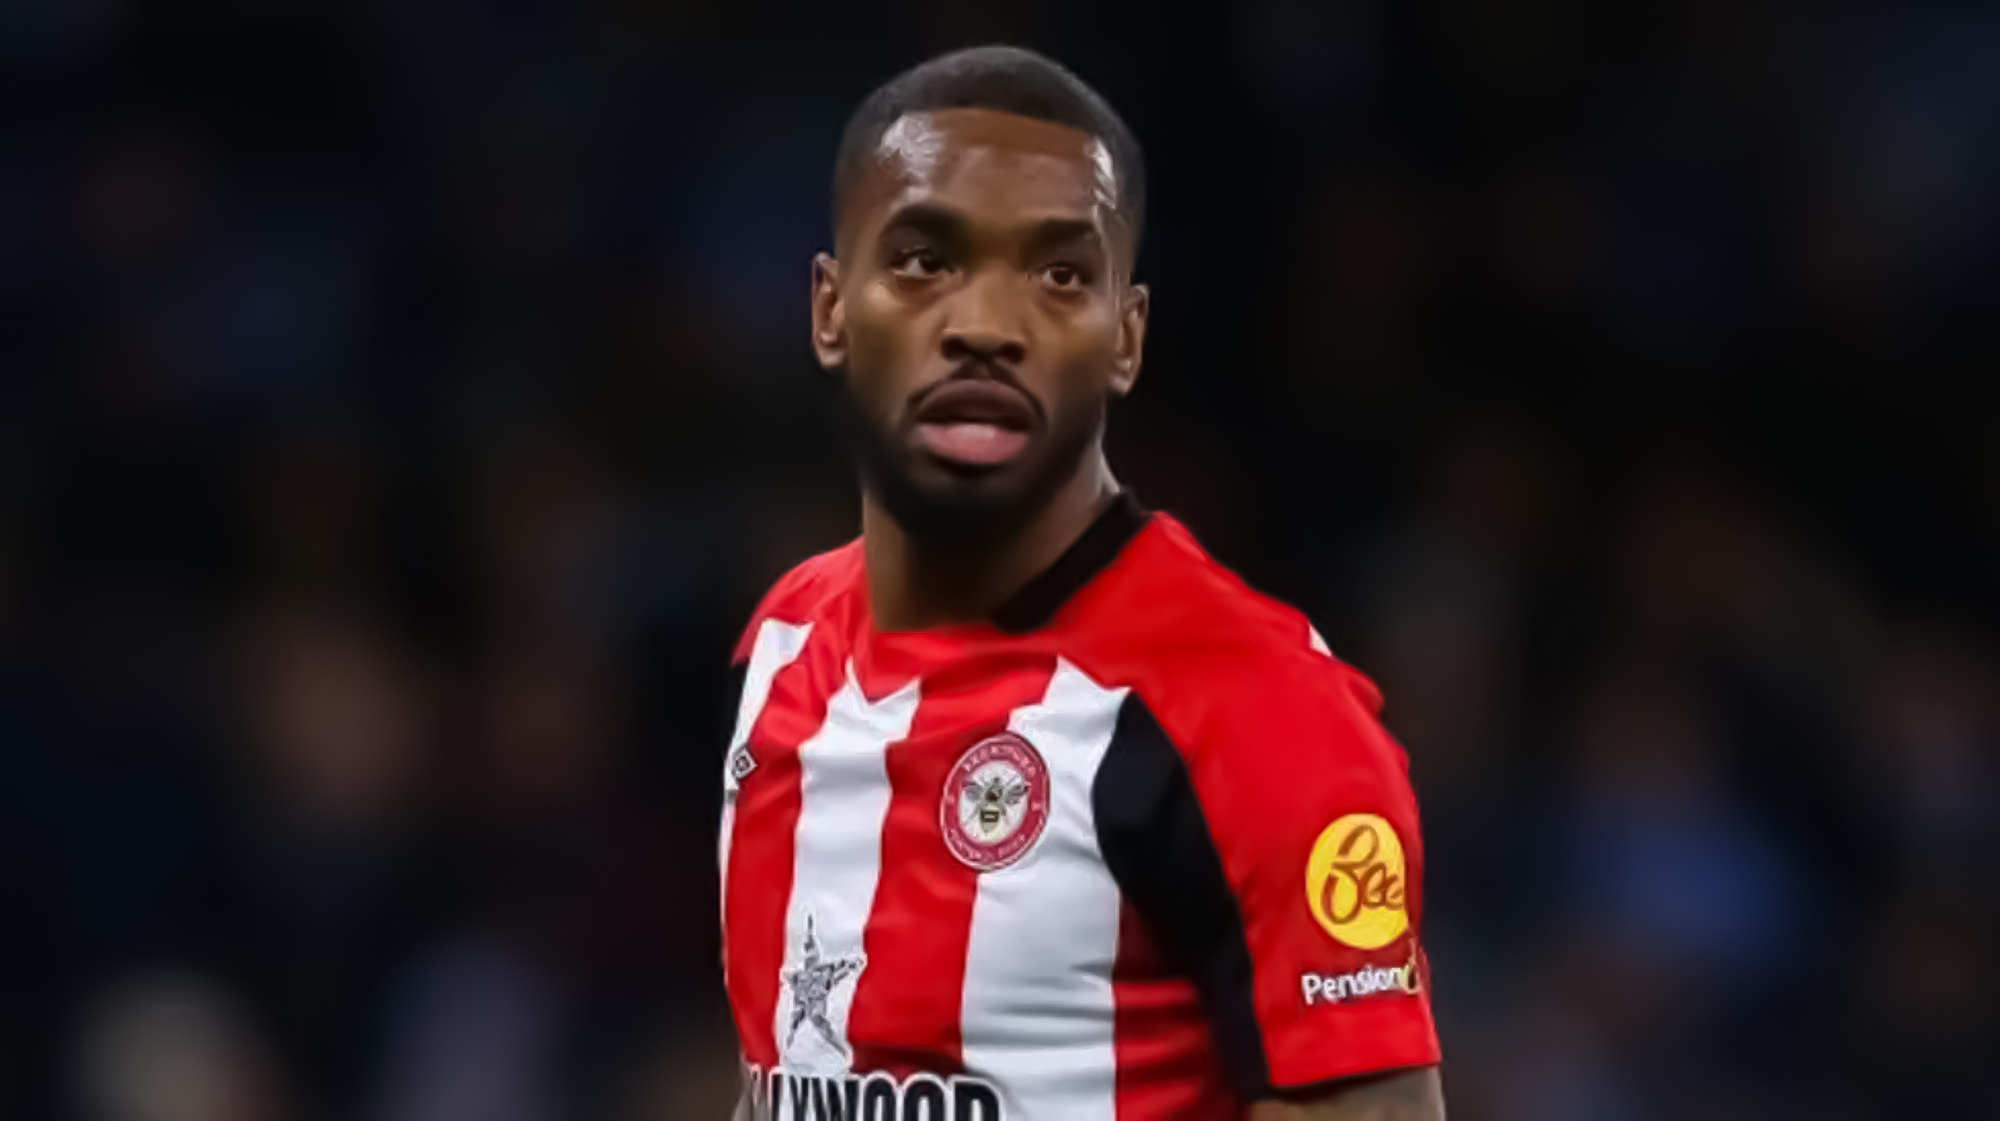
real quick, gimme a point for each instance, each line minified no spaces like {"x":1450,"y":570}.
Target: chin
{"x":941,"y":506}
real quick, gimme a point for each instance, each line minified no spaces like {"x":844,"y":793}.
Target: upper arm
{"x":1290,"y":885}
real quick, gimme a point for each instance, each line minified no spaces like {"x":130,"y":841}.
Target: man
{"x":1033,"y":811}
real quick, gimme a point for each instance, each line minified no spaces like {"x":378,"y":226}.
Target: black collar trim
{"x":1039,"y":599}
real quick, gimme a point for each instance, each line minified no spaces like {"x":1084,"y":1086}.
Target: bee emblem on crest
{"x":994,"y":798}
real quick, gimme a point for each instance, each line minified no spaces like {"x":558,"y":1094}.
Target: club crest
{"x":996,"y":802}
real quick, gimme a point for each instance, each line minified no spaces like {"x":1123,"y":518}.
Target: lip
{"x":974,"y":424}
{"x":977,"y":401}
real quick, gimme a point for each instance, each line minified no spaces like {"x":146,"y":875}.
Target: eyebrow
{"x":949,"y":225}
{"x":928,"y":219}
{"x":1063,"y":231}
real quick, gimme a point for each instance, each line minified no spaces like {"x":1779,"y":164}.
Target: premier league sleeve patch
{"x":996,"y":802}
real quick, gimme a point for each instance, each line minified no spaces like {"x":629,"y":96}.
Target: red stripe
{"x":905,"y":1016}
{"x":1167,"y":1065}
{"x":760,"y":853}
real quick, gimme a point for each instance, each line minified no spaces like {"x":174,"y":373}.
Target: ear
{"x":829,"y":315}
{"x":1131,"y":338}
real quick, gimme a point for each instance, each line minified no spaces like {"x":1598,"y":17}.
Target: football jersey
{"x":1135,"y":847}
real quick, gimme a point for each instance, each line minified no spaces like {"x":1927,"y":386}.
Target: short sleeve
{"x":1268,"y":835}
{"x":799,"y":595}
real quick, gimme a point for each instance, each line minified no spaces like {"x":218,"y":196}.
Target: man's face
{"x":982,"y":312}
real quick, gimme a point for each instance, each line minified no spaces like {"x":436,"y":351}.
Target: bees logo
{"x":995,"y":799}
{"x":996,"y":802}
{"x":1355,"y":882}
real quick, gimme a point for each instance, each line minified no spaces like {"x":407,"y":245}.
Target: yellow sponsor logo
{"x":1355,"y":882}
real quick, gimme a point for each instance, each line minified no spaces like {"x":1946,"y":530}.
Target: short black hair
{"x":1008,"y":80}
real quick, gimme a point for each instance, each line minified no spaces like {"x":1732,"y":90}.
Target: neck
{"x":913,"y":587}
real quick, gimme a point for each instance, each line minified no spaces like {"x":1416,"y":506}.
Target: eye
{"x":1063,"y":276}
{"x":916,"y":264}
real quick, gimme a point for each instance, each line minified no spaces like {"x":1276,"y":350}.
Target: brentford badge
{"x":996,"y":802}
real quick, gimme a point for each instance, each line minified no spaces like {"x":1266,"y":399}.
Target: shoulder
{"x":1222,"y":666}
{"x":810,"y":592}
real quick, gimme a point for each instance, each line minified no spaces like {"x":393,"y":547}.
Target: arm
{"x":1415,"y":1095}
{"x":1279,"y":864}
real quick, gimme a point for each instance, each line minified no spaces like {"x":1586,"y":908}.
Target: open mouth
{"x":975,"y":423}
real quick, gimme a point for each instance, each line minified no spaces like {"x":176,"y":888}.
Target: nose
{"x":985,"y":323}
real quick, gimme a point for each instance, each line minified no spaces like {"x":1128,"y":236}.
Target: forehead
{"x":981,"y":159}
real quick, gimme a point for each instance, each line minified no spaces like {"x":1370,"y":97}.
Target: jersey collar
{"x":1039,"y":599}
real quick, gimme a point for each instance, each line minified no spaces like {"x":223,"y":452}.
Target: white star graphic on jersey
{"x":812,"y":982}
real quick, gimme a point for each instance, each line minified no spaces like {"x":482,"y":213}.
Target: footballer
{"x":1033,"y":811}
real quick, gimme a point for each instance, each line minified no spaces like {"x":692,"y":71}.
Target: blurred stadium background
{"x":402,"y":404}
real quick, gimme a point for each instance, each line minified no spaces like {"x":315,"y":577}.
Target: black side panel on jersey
{"x":1156,"y":841}
{"x":732,"y":700}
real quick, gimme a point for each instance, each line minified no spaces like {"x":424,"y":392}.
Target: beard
{"x":956,"y":512}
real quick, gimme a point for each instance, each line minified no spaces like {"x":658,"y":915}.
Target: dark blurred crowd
{"x":403,"y":403}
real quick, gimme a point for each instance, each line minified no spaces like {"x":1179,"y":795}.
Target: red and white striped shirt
{"x":1136,"y":848}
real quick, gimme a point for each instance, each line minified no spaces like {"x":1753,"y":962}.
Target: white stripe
{"x":1038,"y":1006}
{"x":778,"y":645}
{"x":837,"y":859}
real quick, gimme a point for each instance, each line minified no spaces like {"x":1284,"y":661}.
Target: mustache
{"x":975,"y":370}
